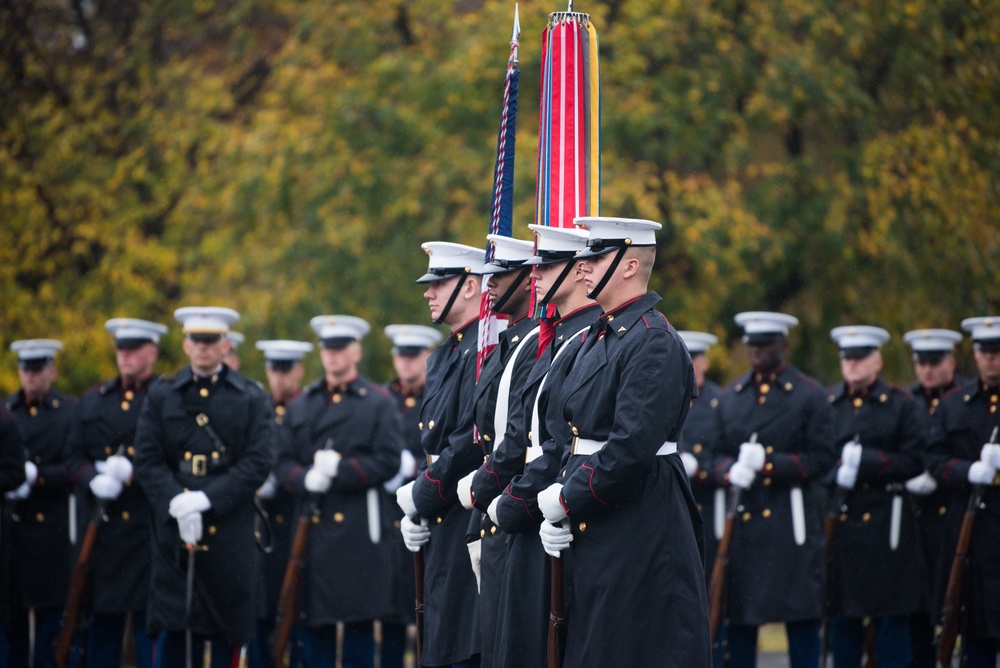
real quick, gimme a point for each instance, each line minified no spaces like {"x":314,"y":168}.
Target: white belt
{"x":432,"y":458}
{"x":586,"y":446}
{"x":531,"y":453}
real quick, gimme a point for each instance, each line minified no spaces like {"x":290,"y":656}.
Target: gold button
{"x":215,"y":455}
{"x":130,"y":450}
{"x":130,"y":395}
{"x":315,"y":519}
{"x":40,"y":517}
{"x":126,"y":405}
{"x":994,"y":399}
{"x":215,"y":378}
{"x":883,"y":398}
{"x":564,"y":473}
{"x":942,"y":510}
{"x":33,"y":410}
{"x":699,"y":507}
{"x":843,"y":517}
{"x":279,"y":420}
{"x":409,"y":402}
{"x":280,"y":410}
{"x":761,"y":400}
{"x":493,"y":530}
{"x":203,"y":391}
{"x":212,"y":530}
{"x":486,"y":437}
{"x":697,"y":448}
{"x":788,"y":387}
{"x":746,"y":516}
{"x":529,"y":436}
{"x":439,"y":520}
{"x":866,"y":517}
{"x":702,"y":475}
{"x":769,"y":466}
{"x":611,"y":318}
{"x":769,"y":449}
{"x":280,"y":519}
{"x":767,"y":482}
{"x":420,"y":426}
{"x":993,"y":409}
{"x":338,"y":517}
{"x":107,"y":449}
{"x":766,"y":513}
{"x":857,"y":402}
{"x":397,"y":524}
{"x":482,"y":533}
{"x":125,"y":515}
{"x":764,"y":388}
{"x":430,"y":425}
{"x":935,"y":401}
{"x":576,"y":432}
{"x":336,"y":398}
{"x":187,"y":456}
{"x":583,"y":526}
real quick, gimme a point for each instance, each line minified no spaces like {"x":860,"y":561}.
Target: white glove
{"x":690,"y":464}
{"x":549,"y":503}
{"x":981,"y":473}
{"x":404,"y":498}
{"x":269,"y":488}
{"x":407,"y":464}
{"x":22,"y":492}
{"x":555,"y":537}
{"x":850,"y":455}
{"x":922,"y":485}
{"x":189,"y":527}
{"x":464,"y":491}
{"x":186,"y":503}
{"x":476,"y":557}
{"x":327,"y":462}
{"x":752,"y":456}
{"x":990,"y":454}
{"x":492,"y":511}
{"x":316,"y":481}
{"x":846,"y":476}
{"x":741,"y":475}
{"x":30,"y":473}
{"x":106,"y":486}
{"x":118,"y":466}
{"x":415,"y":535}
{"x":100,"y":466}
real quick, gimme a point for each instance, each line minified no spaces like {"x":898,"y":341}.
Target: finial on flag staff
{"x":515,"y":34}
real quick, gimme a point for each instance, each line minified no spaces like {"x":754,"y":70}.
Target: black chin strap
{"x":559,"y":281}
{"x":451,"y":300}
{"x":511,"y":290}
{"x":607,"y":275}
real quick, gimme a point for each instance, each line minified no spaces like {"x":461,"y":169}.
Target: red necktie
{"x":546,"y":332}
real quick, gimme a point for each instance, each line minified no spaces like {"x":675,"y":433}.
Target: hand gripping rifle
{"x":557,"y":615}
{"x":951,"y":606}
{"x":288,"y":599}
{"x":829,"y":530}
{"x":418,"y":604}
{"x":78,"y":582}
{"x":717,"y":583}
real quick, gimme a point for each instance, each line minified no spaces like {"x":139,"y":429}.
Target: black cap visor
{"x":35,"y":364}
{"x":987,"y":345}
{"x":856,"y":352}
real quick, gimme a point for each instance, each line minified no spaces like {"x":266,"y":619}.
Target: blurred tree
{"x":837,"y":161}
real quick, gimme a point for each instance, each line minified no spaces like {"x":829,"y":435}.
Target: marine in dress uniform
{"x":501,"y":378}
{"x":522,"y":630}
{"x":776,"y":558}
{"x":39,"y":508}
{"x":876,"y":561}
{"x":960,"y":457}
{"x":202,"y":449}
{"x":12,"y":476}
{"x":99,"y":456}
{"x":934,"y":366}
{"x":343,"y":441}
{"x":232,"y":358}
{"x":284,"y":370}
{"x":637,"y":592}
{"x":434,"y":519}
{"x":411,"y":348}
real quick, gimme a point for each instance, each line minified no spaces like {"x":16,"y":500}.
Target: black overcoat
{"x":776,"y":575}
{"x":871,"y":577}
{"x":11,"y":477}
{"x":40,"y":546}
{"x":226,"y":575}
{"x":120,"y":562}
{"x":349,"y":558}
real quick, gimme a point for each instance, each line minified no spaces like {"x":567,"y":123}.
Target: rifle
{"x":717,"y":583}
{"x":557,"y":615}
{"x":78,"y":582}
{"x":418,"y":607}
{"x":288,"y":598}
{"x":951,"y":606}
{"x":829,"y":530}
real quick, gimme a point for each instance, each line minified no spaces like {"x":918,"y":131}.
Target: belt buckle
{"x":572,"y":446}
{"x":199,"y":465}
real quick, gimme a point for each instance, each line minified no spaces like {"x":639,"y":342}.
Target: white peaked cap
{"x":982,"y":329}
{"x":555,"y":244}
{"x":445,"y":259}
{"x":413,"y":336}
{"x":36,"y":349}
{"x":235,"y":338}
{"x":859,"y":336}
{"x":765,"y":322}
{"x":206,"y":319}
{"x":340,"y":327}
{"x":134,"y":328}
{"x":930,"y":340}
{"x":508,"y":253}
{"x":606,"y":234}
{"x":698,"y":342}
{"x":283,"y":349}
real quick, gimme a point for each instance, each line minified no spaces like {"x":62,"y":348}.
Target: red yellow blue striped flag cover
{"x":501,"y":210}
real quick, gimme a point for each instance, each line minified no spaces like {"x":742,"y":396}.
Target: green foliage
{"x":838,"y":161}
